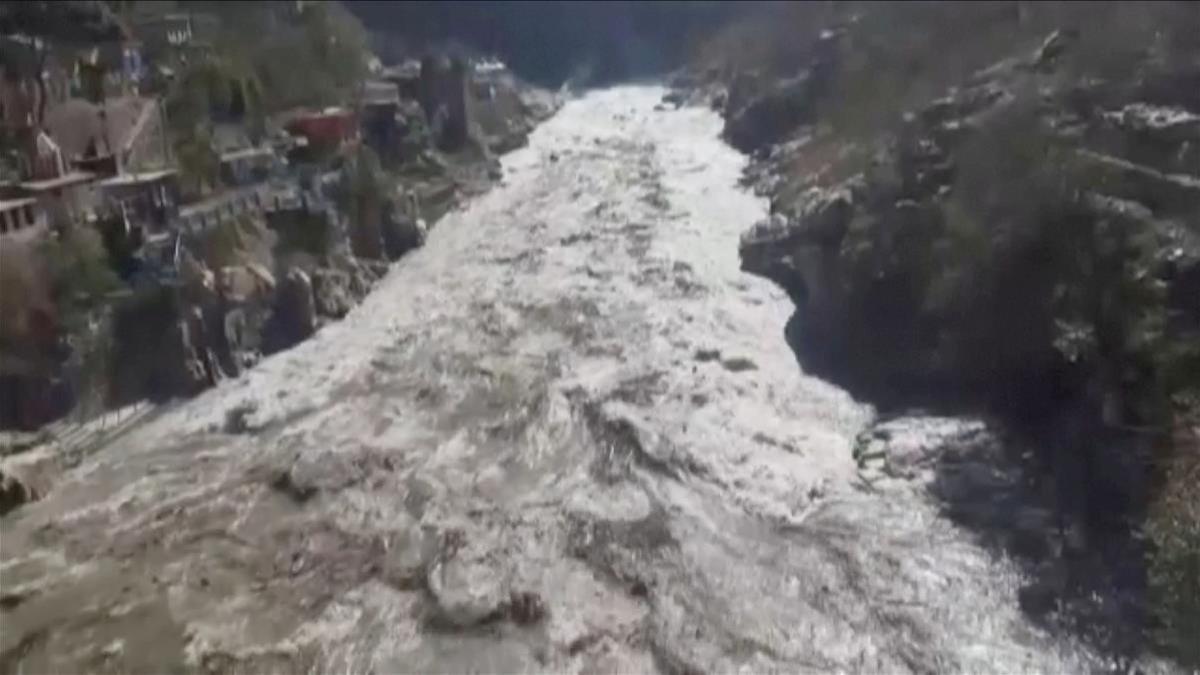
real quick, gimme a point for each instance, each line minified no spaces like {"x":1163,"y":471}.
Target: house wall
{"x":150,"y":204}
{"x":22,"y":222}
{"x":68,"y":205}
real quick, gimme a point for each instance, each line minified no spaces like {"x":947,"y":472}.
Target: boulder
{"x":14,"y":493}
{"x":295,"y":307}
{"x":403,"y":229}
{"x":442,"y":91}
{"x":366,"y":234}
{"x":30,"y":475}
{"x":403,"y":234}
{"x":769,"y":116}
{"x":332,"y":292}
{"x":184,"y":371}
{"x":199,"y":282}
{"x":239,"y":284}
{"x":819,"y":217}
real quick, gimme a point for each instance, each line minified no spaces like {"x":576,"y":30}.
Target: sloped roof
{"x":76,"y":122}
{"x":72,"y":178}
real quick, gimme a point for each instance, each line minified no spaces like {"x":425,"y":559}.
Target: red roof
{"x":331,"y":125}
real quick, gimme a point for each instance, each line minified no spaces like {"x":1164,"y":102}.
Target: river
{"x":565,"y":435}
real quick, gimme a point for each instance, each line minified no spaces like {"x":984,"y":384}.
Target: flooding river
{"x":566,"y":435}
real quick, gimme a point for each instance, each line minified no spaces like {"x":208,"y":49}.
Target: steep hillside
{"x":548,"y":42}
{"x":995,"y":207}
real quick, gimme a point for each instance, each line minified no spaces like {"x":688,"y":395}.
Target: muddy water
{"x":567,"y":435}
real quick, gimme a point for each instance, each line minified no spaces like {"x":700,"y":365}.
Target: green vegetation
{"x":311,"y":53}
{"x":216,"y":87}
{"x":265,"y":58}
{"x":80,"y":282}
{"x":1025,"y":284}
{"x":199,"y":165}
{"x":1031,"y":278}
{"x":79,"y":274}
{"x":211,"y":89}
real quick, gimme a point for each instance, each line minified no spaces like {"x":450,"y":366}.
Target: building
{"x":21,"y":218}
{"x":382,"y":129}
{"x":406,"y":76}
{"x":148,"y":202}
{"x":173,"y":34}
{"x":125,"y":134}
{"x":65,"y":199}
{"x":242,"y":161}
{"x":323,"y":131}
{"x":247,"y":166}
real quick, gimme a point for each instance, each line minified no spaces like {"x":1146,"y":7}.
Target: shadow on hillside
{"x":1031,"y":498}
{"x":1084,"y":568}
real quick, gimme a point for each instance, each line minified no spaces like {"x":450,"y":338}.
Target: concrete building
{"x":21,"y":218}
{"x":125,"y":134}
{"x":147,"y":201}
{"x":66,"y":199}
{"x":247,"y":166}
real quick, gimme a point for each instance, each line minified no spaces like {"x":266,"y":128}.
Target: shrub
{"x":78,"y":272}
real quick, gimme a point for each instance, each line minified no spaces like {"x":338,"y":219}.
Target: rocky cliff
{"x":1016,"y":233}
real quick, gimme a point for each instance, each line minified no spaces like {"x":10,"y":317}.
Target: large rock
{"x":366,"y":233}
{"x":332,"y":292}
{"x":295,"y":307}
{"x":185,"y":370}
{"x":199,"y":282}
{"x":818,"y":219}
{"x":442,"y":91}
{"x":14,"y":492}
{"x":239,"y":284}
{"x":403,"y":228}
{"x":771,"y":115}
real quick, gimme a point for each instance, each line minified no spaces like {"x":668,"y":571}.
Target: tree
{"x":199,"y":164}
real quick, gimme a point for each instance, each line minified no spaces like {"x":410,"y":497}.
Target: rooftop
{"x":75,"y":123}
{"x":66,"y":180}
{"x":246,"y":153}
{"x":11,"y":204}
{"x":137,"y":178}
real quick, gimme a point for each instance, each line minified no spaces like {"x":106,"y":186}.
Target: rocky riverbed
{"x":565,"y":435}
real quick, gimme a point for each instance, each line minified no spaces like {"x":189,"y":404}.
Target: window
{"x":28,"y":209}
